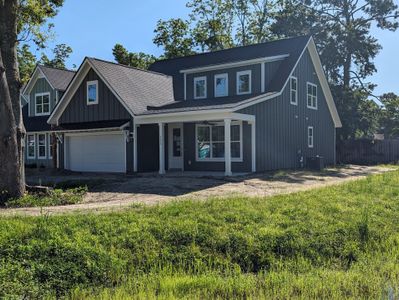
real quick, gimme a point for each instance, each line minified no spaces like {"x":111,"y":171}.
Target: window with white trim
{"x":31,"y":146}
{"x":310,"y":136}
{"x":42,"y":104}
{"x":311,"y":95}
{"x":41,"y":146}
{"x":210,"y":142}
{"x":92,"y":92}
{"x":200,"y":87}
{"x":294,"y":90}
{"x":244,"y":84}
{"x":221,"y":85}
{"x":50,"y":145}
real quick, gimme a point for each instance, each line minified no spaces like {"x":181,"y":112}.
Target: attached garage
{"x":96,"y":152}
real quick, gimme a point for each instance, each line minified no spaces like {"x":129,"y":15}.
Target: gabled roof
{"x":58,"y":78}
{"x":137,"y":88}
{"x":134,"y":88}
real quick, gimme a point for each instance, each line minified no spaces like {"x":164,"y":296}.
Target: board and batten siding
{"x":108,"y":107}
{"x":281,"y":128}
{"x":41,"y":86}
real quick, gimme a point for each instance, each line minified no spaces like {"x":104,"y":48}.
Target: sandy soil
{"x":119,"y":192}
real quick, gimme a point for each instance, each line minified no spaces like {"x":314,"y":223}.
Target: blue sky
{"x":93,"y":27}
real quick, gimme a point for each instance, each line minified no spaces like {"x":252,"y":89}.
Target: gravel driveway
{"x":116,"y":192}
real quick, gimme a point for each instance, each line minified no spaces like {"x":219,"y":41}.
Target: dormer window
{"x":243,"y":82}
{"x":221,"y":85}
{"x":200,"y":87}
{"x":92,"y":92}
{"x":42,"y":104}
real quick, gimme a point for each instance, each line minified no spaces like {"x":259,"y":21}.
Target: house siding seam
{"x":281,"y":128}
{"x":108,"y":107}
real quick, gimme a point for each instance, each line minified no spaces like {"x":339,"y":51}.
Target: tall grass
{"x":335,"y":242}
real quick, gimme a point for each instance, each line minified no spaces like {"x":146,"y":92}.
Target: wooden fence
{"x":368,"y":152}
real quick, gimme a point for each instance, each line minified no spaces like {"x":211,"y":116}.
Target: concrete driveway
{"x":112,"y":192}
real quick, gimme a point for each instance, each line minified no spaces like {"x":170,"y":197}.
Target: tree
{"x":390,"y":115}
{"x":138,"y":60}
{"x":213,"y":22}
{"x":26,"y":63}
{"x":175,"y":36}
{"x":61,"y":53}
{"x":20,"y":20}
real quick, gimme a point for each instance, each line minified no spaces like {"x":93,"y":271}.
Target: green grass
{"x":56,"y":197}
{"x":336,"y":242}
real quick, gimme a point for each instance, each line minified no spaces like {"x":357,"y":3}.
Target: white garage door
{"x":96,"y":153}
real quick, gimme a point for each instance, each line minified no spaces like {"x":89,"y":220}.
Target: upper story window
{"x":310,"y":136}
{"x":243,"y":82}
{"x":221,"y":85}
{"x":42,"y":106}
{"x":92,"y":92}
{"x":311,"y":95}
{"x":294,"y":90}
{"x":200,"y":87}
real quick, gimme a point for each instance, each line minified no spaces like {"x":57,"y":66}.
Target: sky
{"x":93,"y":27}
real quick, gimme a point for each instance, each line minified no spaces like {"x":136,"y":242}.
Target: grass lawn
{"x":336,"y":242}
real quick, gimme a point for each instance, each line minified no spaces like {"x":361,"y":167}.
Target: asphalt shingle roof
{"x":58,"y":78}
{"x":137,"y":88}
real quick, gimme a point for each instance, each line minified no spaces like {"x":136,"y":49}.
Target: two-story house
{"x":245,"y":109}
{"x":39,"y":97}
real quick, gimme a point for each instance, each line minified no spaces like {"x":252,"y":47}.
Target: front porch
{"x":195,"y":142}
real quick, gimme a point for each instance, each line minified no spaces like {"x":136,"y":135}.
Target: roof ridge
{"x":236,"y":47}
{"x":129,"y":67}
{"x":54,"y":68}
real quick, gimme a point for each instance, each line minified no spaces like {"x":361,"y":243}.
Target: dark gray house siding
{"x":38,"y":124}
{"x":281,"y":128}
{"x":108,"y":107}
{"x":190,"y":163}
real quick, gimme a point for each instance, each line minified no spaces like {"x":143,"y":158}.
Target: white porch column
{"x":227,"y":146}
{"x":135,"y":147}
{"x":253,"y":145}
{"x":161,"y":149}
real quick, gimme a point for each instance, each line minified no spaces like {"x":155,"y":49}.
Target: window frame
{"x":225,"y":76}
{"x":310,"y":137}
{"x":196,"y":79}
{"x":315,"y":97}
{"x":27,"y":146}
{"x":49,"y":104}
{"x":38,"y":146}
{"x":292,"y":90}
{"x":88,"y":83}
{"x":50,"y":150}
{"x":218,"y":159}
{"x":240,"y":73}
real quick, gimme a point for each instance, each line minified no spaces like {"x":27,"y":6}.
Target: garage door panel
{"x":97,"y":153}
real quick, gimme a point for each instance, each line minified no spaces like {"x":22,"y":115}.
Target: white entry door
{"x":175,"y":145}
{"x":101,"y":152}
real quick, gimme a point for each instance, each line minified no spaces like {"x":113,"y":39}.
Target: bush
{"x":56,"y":197}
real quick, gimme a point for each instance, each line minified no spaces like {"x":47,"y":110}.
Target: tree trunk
{"x":12,"y":132}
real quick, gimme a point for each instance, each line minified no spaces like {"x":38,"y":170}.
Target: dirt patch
{"x":122,"y":191}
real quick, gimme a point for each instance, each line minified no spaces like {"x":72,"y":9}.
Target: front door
{"x":175,"y":145}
